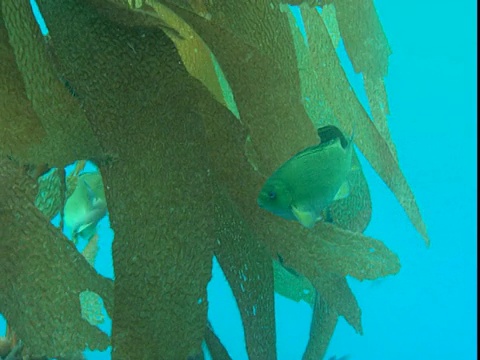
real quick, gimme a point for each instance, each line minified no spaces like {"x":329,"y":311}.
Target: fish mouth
{"x":261,"y":201}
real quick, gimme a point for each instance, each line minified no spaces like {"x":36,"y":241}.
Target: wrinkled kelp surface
{"x":186,"y":107}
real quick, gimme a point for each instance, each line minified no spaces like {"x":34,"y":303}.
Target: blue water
{"x":428,"y":310}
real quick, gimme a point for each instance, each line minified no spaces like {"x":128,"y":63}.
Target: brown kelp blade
{"x":63,"y":134}
{"x":22,"y":131}
{"x":351,"y":114}
{"x":324,"y":321}
{"x":90,"y":302}
{"x":43,"y":275}
{"x":292,"y":285}
{"x":334,"y":290}
{"x":335,"y":297}
{"x":354,"y":211}
{"x":248,"y":269}
{"x":332,"y":248}
{"x":49,"y":197}
{"x":365,"y":41}
{"x":195,"y":54}
{"x":246,"y":52}
{"x":368,"y":49}
{"x":215,"y":346}
{"x":157,"y":187}
{"x":378,"y":103}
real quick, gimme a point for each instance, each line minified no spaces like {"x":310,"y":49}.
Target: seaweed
{"x":351,"y":114}
{"x":37,"y":259}
{"x":186,"y":107}
{"x":368,"y":49}
{"x":248,"y":268}
{"x":50,"y":106}
{"x":216,"y":348}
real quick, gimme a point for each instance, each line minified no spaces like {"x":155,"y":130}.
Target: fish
{"x":86,"y":206}
{"x":302,"y":187}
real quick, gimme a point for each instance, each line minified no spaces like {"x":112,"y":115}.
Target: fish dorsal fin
{"x":330,"y":133}
{"x":83,"y":227}
{"x":304,"y":217}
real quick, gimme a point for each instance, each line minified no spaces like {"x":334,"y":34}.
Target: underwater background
{"x":429,"y":309}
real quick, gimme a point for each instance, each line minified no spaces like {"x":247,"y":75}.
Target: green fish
{"x":311,"y":180}
{"x":86,"y":206}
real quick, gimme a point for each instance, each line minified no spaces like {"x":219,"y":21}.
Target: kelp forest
{"x":186,"y":107}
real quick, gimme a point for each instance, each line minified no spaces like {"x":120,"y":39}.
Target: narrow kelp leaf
{"x":256,"y":46}
{"x":313,"y":99}
{"x":324,"y":321}
{"x":68,"y":135}
{"x":334,"y":298}
{"x":248,"y":269}
{"x":140,"y":101}
{"x":329,"y":17}
{"x":351,"y":114}
{"x":49,"y":197}
{"x":333,"y":249}
{"x":22,"y":132}
{"x":43,"y":275}
{"x":378,"y":103}
{"x":337,"y":294}
{"x":90,"y":302}
{"x":363,"y":36}
{"x":329,"y":291}
{"x":368,"y":49}
{"x":215,"y":346}
{"x":292,"y":285}
{"x":353,"y":212}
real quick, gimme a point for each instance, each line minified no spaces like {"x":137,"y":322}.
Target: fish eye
{"x":272,"y":194}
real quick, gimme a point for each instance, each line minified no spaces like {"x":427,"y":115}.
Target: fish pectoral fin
{"x":355,"y":166}
{"x":304,"y":217}
{"x":343,"y":192}
{"x":83,"y":227}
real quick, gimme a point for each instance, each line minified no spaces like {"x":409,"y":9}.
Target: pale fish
{"x":311,"y":180}
{"x":86,"y":206}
